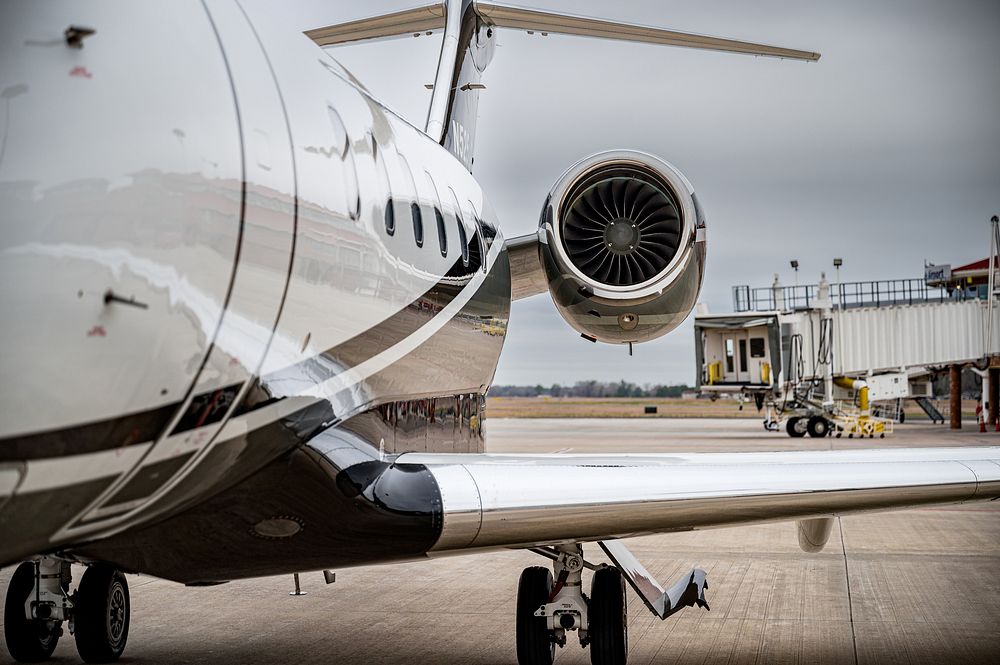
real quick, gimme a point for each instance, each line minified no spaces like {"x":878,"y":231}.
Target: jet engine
{"x":622,"y":244}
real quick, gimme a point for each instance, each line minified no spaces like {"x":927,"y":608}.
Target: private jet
{"x":250,"y":315}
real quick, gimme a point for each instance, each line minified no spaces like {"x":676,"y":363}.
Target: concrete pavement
{"x":919,"y":586}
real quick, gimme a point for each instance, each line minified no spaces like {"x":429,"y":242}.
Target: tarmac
{"x":920,"y":586}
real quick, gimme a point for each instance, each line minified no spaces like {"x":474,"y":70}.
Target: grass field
{"x":633,"y":407}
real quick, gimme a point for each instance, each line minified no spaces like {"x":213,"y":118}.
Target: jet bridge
{"x":787,"y":346}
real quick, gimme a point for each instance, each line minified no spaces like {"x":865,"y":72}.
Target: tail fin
{"x":467,"y":48}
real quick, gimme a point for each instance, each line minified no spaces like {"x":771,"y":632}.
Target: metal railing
{"x":880,"y":293}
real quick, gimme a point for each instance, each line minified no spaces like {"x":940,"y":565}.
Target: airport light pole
{"x":837,"y":262}
{"x":840,"y":289}
{"x":795,"y":266}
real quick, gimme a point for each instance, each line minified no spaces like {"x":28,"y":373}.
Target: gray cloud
{"x":886,"y":152}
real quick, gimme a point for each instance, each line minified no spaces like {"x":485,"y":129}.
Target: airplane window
{"x":442,"y":237}
{"x":463,"y":240}
{"x":418,"y":224}
{"x":390,"y":217}
{"x":436,"y":203}
{"x":478,"y":238}
{"x":342,"y":148}
{"x":379,"y":156}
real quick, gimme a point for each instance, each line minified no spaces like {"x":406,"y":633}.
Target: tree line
{"x":592,"y":389}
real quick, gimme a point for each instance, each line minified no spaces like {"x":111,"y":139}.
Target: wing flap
{"x":520,"y":18}
{"x":525,"y":501}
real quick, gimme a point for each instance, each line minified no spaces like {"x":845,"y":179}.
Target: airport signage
{"x":937,"y":274}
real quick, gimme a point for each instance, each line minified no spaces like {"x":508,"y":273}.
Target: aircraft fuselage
{"x":216,"y":245}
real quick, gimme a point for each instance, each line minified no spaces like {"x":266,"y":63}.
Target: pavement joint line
{"x":850,"y":603}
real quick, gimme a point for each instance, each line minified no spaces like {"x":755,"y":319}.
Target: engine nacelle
{"x":622,"y":243}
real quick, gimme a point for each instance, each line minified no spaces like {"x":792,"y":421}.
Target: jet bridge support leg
{"x":994,"y":398}
{"x":955,"y":387}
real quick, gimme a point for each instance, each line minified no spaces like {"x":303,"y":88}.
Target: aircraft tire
{"x":818,"y":427}
{"x":792,"y":428}
{"x":28,"y":640}
{"x":534,"y":643}
{"x":608,"y":618}
{"x":102,"y":614}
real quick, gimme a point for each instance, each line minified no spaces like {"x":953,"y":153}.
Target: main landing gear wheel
{"x":534,"y":642}
{"x":818,"y":427}
{"x":102,"y":615}
{"x":796,"y":427}
{"x":608,"y":616}
{"x":28,"y":640}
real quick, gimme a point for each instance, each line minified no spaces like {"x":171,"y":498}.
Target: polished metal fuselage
{"x":216,"y":244}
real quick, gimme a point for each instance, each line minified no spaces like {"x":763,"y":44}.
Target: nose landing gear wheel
{"x":534,"y":642}
{"x":102,"y":615}
{"x":608,"y":616}
{"x":28,"y":640}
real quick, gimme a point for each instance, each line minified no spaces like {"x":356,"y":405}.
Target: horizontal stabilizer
{"x":387,"y":26}
{"x":533,"y":20}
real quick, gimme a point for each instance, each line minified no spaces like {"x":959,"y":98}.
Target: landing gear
{"x":535,"y":644}
{"x":608,"y":628}
{"x":38,"y":602}
{"x":547,"y":611}
{"x":29,"y":640}
{"x":796,"y":427}
{"x":102,"y":615}
{"x":818,"y":427}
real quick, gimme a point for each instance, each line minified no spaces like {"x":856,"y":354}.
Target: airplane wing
{"x":521,"y":501}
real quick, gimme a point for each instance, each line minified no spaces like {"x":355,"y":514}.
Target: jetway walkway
{"x":898,"y":338}
{"x":769,"y":348}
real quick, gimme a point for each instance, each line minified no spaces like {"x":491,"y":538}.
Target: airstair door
{"x":735,"y":363}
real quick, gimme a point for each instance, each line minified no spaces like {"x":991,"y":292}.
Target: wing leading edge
{"x":501,"y":501}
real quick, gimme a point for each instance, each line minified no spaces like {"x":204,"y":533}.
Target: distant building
{"x":971,"y":279}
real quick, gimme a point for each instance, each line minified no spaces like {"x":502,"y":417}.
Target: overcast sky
{"x":885,"y":153}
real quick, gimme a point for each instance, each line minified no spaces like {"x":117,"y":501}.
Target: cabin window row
{"x":396,"y":211}
{"x":417,"y":218}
